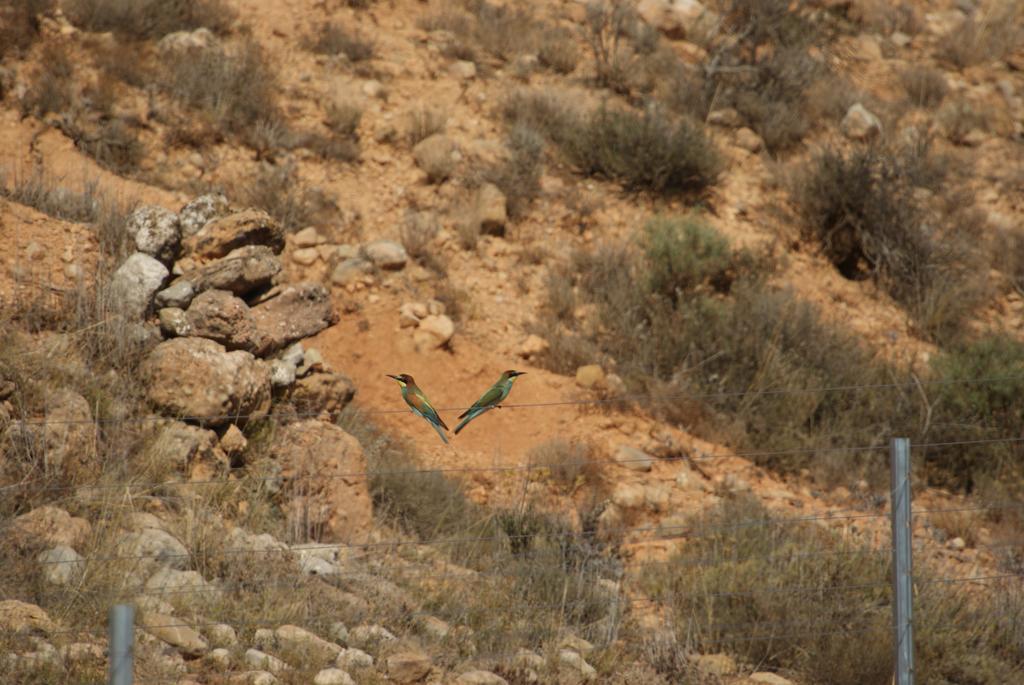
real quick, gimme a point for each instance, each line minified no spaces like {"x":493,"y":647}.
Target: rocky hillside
{"x":735,"y":245}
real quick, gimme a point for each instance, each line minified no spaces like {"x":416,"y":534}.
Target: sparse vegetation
{"x":926,"y":86}
{"x":987,"y":35}
{"x":826,"y":634}
{"x":518,"y":176}
{"x":233,"y":89}
{"x":570,"y":465}
{"x":557,"y":50}
{"x":279,"y":191}
{"x":333,"y":39}
{"x":19,"y":24}
{"x":862,"y":209}
{"x":147,"y":19}
{"x":646,"y":151}
{"x":52,"y":87}
{"x":424,"y":122}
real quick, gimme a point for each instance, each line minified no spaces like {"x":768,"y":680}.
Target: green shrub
{"x":645,"y":151}
{"x":980,"y":410}
{"x":147,"y":19}
{"x":518,"y":176}
{"x":682,"y":253}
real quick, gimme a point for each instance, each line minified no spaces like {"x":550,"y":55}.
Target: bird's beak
{"x":520,"y":373}
{"x":395,"y":377}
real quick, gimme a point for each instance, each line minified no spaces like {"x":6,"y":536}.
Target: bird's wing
{"x":490,"y":398}
{"x":420,"y":403}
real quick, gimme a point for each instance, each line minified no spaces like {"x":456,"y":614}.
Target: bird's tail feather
{"x":462,"y":424}
{"x":441,"y":433}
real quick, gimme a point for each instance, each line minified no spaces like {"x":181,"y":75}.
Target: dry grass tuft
{"x":148,"y":19}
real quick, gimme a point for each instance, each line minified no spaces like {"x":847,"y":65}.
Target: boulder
{"x":187,"y":44}
{"x":629,"y":495}
{"x":351,"y":270}
{"x":333,"y":676}
{"x":67,"y":440}
{"x":179,"y":294}
{"x":436,"y":156}
{"x":298,"y":311}
{"x":633,"y":458}
{"x":677,"y":19}
{"x":135,"y":282}
{"x":259,"y":677}
{"x":433,"y":332}
{"x":748,"y":140}
{"x":570,"y":660}
{"x":322,"y":395}
{"x":308,"y":237}
{"x":165,"y":579}
{"x":154,"y":545}
{"x":233,"y":442}
{"x":480,"y":678}
{"x":370,"y":636}
{"x":385,"y":254}
{"x":22,"y":617}
{"x":257,"y":659}
{"x":201,"y":211}
{"x":324,"y":489}
{"x":156,"y":231}
{"x":408,"y":667}
{"x":714,"y":664}
{"x":220,"y":316}
{"x":61,"y":565}
{"x":309,"y":645}
{"x":174,"y":323}
{"x":241,"y":272}
{"x":352,"y":658}
{"x":47,"y":526}
{"x":220,"y":635}
{"x":533,"y":346}
{"x":198,"y":378}
{"x":766,"y":678}
{"x":220,"y":236}
{"x":860,"y":124}
{"x":491,"y":208}
{"x":187,"y":448}
{"x":589,"y":376}
{"x":176,"y":633}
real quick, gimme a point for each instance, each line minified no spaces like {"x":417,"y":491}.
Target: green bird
{"x":419,"y":403}
{"x":494,"y":396}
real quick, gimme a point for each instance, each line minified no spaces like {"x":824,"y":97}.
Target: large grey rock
{"x":154,"y":545}
{"x":224,"y":318}
{"x":297,"y":312}
{"x":570,"y":660}
{"x":242,"y":271}
{"x":69,"y":435}
{"x":201,"y":211}
{"x":179,"y":294}
{"x":433,"y":332}
{"x":860,"y":124}
{"x":257,"y":659}
{"x":353,"y":658}
{"x":156,"y":231}
{"x":220,"y":236}
{"x":187,"y":44}
{"x":198,"y":379}
{"x":61,"y":565}
{"x":169,"y":580}
{"x":350,"y":271}
{"x":385,"y":254}
{"x":135,"y":283}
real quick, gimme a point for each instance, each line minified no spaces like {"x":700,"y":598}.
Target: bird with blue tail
{"x":420,"y":405}
{"x":494,"y":396}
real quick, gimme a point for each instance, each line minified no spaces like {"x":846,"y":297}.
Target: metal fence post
{"x":122,"y":637}
{"x":902,"y":579}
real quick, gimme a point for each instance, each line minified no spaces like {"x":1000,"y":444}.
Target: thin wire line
{"x":554,"y":403}
{"x":742,"y":454}
{"x":684,"y":530}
